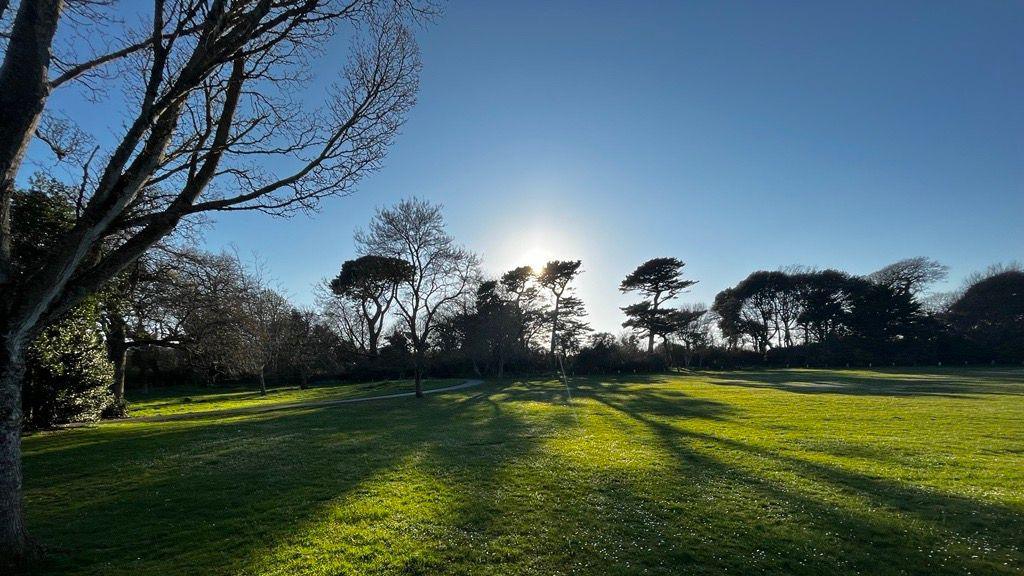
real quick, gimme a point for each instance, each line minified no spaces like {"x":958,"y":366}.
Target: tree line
{"x":414,"y":301}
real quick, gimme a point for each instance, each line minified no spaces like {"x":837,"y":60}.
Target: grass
{"x":189,"y":400}
{"x":761,"y":472}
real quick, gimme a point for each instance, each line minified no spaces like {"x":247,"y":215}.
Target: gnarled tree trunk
{"x":14,"y":541}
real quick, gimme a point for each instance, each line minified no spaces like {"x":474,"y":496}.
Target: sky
{"x":735,"y":136}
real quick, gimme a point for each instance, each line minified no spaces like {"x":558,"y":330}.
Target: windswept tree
{"x":556,"y":277}
{"x":443,"y":273}
{"x":371,"y":282}
{"x":910,"y":276}
{"x":658,"y":280}
{"x":215,"y":120}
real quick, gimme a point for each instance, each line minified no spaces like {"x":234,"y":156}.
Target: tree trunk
{"x":120,"y":360}
{"x":419,"y":381}
{"x":263,"y":382}
{"x":374,"y":338}
{"x":14,"y":541}
{"x":303,"y":379}
{"x":501,"y":366}
{"x":554,"y":327}
{"x":24,"y":88}
{"x":117,"y":352}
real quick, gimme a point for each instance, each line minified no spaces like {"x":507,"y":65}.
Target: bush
{"x":68,"y":375}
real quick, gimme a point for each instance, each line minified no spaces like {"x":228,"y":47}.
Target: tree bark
{"x":120,"y":360}
{"x":117,"y":351}
{"x":24,"y":88}
{"x":263,"y":382}
{"x":14,"y":541}
{"x":419,"y":378}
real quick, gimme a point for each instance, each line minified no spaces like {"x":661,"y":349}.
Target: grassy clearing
{"x":773,"y":472}
{"x":189,"y":400}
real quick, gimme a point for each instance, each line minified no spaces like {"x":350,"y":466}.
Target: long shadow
{"x":241,"y":496}
{"x":952,"y":534}
{"x":212,"y":497}
{"x":951,"y":384}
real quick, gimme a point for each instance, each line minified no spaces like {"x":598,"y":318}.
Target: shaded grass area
{"x":773,"y":472}
{"x":190,"y":399}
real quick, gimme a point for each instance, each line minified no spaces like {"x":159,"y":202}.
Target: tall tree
{"x":555,"y":278}
{"x":372,"y":282}
{"x":571,"y":325}
{"x":214,"y":123}
{"x":444,"y":273}
{"x":520,"y":287}
{"x":658,"y":280}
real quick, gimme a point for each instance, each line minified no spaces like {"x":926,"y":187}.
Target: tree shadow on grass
{"x":213,"y":497}
{"x":897,"y":528}
{"x":480,"y":481}
{"x":951,"y":384}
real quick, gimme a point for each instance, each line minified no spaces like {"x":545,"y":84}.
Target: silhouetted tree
{"x":659,"y":280}
{"x":990,"y":315}
{"x":372,"y":282}
{"x":521,"y":288}
{"x":910,"y":276}
{"x":555,"y":278}
{"x":443,"y":272}
{"x":571,"y":326}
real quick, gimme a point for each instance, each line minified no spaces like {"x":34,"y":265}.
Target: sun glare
{"x":535,"y":257}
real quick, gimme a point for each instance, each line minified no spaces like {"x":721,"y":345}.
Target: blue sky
{"x":733,"y":135}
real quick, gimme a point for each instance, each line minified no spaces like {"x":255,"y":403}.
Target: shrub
{"x":68,"y":375}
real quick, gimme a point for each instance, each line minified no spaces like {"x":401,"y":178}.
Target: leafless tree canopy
{"x":215,"y":118}
{"x":444,"y":273}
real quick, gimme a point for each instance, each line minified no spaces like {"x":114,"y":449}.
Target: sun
{"x":535,"y":257}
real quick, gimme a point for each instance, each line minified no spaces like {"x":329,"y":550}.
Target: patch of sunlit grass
{"x":912,"y":472}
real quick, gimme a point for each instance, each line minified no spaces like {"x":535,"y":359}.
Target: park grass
{"x":759,"y":472}
{"x":176,"y":400}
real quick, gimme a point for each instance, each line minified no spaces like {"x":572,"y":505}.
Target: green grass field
{"x":189,"y":400}
{"x":763,"y":472}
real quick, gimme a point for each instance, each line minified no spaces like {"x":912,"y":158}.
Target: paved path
{"x":287,"y":406}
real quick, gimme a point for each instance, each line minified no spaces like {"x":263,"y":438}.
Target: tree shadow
{"x":951,"y":384}
{"x":498,"y":479}
{"x":937,"y":532}
{"x":213,"y":497}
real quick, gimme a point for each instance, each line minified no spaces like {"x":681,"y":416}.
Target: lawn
{"x":189,"y":400}
{"x":761,"y":472}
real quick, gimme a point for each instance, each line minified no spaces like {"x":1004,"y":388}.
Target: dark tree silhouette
{"x":990,"y":315}
{"x":443,"y":272}
{"x":555,"y":278}
{"x":659,"y":280}
{"x":910,"y":276}
{"x":372,"y":283}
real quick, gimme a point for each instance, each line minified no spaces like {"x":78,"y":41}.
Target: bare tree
{"x":910,"y":276}
{"x":215,"y":104}
{"x":443,"y":272}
